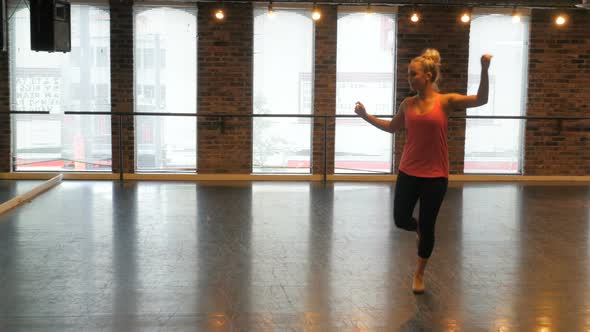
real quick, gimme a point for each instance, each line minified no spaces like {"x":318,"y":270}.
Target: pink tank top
{"x":426,"y":152}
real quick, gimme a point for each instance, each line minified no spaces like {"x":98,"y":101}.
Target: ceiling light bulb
{"x":560,"y":20}
{"x":515,"y":15}
{"x":516,"y":18}
{"x":465,"y":18}
{"x":316,"y":15}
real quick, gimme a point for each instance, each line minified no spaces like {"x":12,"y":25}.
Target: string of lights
{"x":415,"y":16}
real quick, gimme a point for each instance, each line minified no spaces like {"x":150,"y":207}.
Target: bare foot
{"x":418,"y":284}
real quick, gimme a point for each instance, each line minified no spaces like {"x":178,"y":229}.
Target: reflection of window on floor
{"x":165,"y":36}
{"x":365,"y":72}
{"x":58,"y":82}
{"x":495,"y":145}
{"x":283,"y":58}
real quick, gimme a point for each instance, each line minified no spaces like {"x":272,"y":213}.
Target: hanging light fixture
{"x":466,"y":17}
{"x":415,"y":17}
{"x":270,"y":11}
{"x":515,"y":15}
{"x":316,"y":14}
{"x":220,"y":13}
{"x":560,"y":20}
{"x":369,"y":10}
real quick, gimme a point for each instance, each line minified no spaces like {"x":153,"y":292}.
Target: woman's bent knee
{"x":408,"y":224}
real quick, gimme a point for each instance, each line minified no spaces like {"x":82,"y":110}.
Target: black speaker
{"x":50,"y":25}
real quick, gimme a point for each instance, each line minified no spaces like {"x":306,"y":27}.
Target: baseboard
{"x":285,"y":177}
{"x":219,"y":177}
{"x":66,"y":176}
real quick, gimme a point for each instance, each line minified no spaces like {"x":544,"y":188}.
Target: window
{"x":365,"y":72}
{"x":102,"y":57}
{"x":75,"y":57}
{"x":102,"y":93}
{"x":148,"y":58}
{"x":58,"y":82}
{"x":163,"y":58}
{"x":283,"y":60}
{"x":148,"y":92}
{"x":495,"y":145}
{"x":165,"y":35}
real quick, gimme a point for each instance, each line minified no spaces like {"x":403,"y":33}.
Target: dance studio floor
{"x":291,"y":256}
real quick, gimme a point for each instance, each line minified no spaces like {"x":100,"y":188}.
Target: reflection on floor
{"x":270,"y":256}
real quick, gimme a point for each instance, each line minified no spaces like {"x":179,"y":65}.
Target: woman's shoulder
{"x":408,"y":101}
{"x":445,"y":98}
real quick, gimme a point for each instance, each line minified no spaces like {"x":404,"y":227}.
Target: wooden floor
{"x":174,"y":256}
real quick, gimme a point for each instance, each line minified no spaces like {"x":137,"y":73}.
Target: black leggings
{"x":430,"y":192}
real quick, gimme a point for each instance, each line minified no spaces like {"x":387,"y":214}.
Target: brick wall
{"x":5,"y":119}
{"x":559,"y":73}
{"x":122,"y":82}
{"x":225,"y":59}
{"x":559,"y":85}
{"x":5,"y":135}
{"x":441,"y":29}
{"x":4,"y":116}
{"x":324,"y":97}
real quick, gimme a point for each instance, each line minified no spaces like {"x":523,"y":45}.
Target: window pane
{"x":58,"y":82}
{"x":495,"y":146}
{"x":365,"y":72}
{"x":283,"y":57}
{"x":165,"y":82}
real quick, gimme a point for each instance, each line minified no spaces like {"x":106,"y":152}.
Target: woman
{"x":424,"y":166}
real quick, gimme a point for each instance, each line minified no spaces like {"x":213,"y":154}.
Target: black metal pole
{"x":120,"y":148}
{"x":325,"y":149}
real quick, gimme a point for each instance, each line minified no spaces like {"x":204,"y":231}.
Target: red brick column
{"x":225,"y":86}
{"x":122,"y":82}
{"x":559,"y":85}
{"x":324,"y":94}
{"x":5,"y":133}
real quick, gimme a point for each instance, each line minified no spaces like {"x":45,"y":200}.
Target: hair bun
{"x":432,"y":54}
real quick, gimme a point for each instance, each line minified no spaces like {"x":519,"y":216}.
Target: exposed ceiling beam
{"x":541,"y":4}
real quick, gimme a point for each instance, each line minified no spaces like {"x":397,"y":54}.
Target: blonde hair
{"x":430,"y":63}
